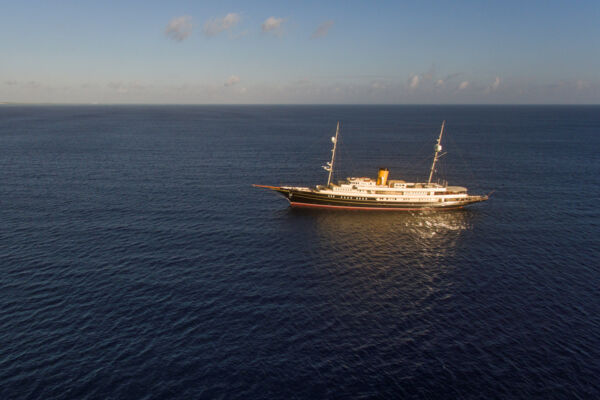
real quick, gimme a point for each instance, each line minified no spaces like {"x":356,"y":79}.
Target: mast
{"x":437,"y":148}
{"x":329,"y":166}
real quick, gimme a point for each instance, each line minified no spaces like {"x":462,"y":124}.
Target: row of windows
{"x":388,"y":198}
{"x":404,"y":198}
{"x":348,"y":197}
{"x":387,"y":192}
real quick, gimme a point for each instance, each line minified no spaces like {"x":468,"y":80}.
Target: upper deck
{"x":369,"y":186}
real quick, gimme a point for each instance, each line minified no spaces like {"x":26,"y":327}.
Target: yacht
{"x":381,"y":193}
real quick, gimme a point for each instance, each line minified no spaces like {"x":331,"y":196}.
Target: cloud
{"x":413,"y":83}
{"x":122,"y":87}
{"x":580,"y":85}
{"x":118,"y":87}
{"x":322,"y":30}
{"x":330,"y":89}
{"x":463,"y":85}
{"x":232,"y":80}
{"x":429,"y":80}
{"x":23,"y":84}
{"x":430,"y":74}
{"x":179,"y":28}
{"x":301,"y":82}
{"x":442,"y":81}
{"x":273,"y":25}
{"x":495,"y":84}
{"x":215,"y":26}
{"x":492,"y":87}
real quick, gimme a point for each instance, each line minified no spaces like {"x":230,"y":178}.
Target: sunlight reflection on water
{"x":395,"y":232}
{"x":404,"y":260}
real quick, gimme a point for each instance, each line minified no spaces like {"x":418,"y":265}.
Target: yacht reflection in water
{"x":375,"y":268}
{"x":419,"y":246}
{"x":377,"y":232}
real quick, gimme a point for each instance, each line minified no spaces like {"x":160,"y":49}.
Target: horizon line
{"x":15,"y":103}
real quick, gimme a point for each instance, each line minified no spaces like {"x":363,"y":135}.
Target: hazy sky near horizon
{"x":440,"y":52}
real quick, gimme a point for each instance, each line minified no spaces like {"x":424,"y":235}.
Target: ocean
{"x":137,"y":260}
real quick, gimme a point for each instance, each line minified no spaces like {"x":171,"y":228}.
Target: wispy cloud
{"x":179,"y":28}
{"x":463,"y":85}
{"x":322,"y":30}
{"x":273,"y":25}
{"x":126,"y":87}
{"x":215,"y":26}
{"x":24,"y":84}
{"x":495,"y":84}
{"x":232,"y":89}
{"x":581,"y":85}
{"x":232,"y":80}
{"x":414,"y":81}
{"x":441,"y":82}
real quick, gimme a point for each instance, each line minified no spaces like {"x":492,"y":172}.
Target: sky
{"x":300,"y":52}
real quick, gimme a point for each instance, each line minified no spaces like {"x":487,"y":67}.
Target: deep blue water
{"x":137,"y":261}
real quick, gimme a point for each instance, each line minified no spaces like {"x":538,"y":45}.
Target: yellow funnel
{"x":382,"y":176}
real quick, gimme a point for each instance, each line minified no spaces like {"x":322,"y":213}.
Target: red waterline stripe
{"x":294,"y":204}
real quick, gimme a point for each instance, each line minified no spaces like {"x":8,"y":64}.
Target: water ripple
{"x":138,"y":262}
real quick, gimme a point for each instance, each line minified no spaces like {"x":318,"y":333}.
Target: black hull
{"x":319,"y":200}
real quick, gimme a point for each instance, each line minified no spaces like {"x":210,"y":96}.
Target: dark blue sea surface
{"x":137,"y":261}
